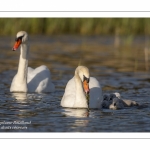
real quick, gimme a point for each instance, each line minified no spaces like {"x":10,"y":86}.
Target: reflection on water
{"x":19,"y":96}
{"x":76,"y":112}
{"x":119,"y":69}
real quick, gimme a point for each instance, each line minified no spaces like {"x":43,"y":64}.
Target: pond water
{"x":121,"y":68}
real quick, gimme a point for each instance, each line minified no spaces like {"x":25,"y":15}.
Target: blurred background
{"x":77,"y":26}
{"x":125,"y":41}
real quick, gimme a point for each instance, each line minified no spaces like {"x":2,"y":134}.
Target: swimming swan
{"x":78,"y":86}
{"x":28,"y":79}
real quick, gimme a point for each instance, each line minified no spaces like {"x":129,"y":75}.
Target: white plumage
{"x":74,"y":96}
{"x":28,"y":79}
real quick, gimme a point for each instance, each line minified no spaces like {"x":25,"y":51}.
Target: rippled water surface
{"x":120,"y":69}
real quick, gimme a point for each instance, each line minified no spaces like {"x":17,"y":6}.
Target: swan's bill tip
{"x":13,"y":49}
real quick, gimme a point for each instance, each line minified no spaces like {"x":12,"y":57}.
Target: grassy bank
{"x":82,"y":26}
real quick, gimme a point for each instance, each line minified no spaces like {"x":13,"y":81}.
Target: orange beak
{"x":16,"y":45}
{"x":86,"y":87}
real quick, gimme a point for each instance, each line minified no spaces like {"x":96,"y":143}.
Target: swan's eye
{"x":85,"y":78}
{"x":19,"y":38}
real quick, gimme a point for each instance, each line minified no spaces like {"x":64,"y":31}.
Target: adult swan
{"x":28,"y":79}
{"x":77,"y":88}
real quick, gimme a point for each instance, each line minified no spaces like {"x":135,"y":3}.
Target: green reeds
{"x":82,"y":26}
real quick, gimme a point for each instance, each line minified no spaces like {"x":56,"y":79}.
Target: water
{"x":119,"y":69}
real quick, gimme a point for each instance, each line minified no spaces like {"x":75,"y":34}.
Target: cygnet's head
{"x":116,"y":104}
{"x":21,"y":37}
{"x":114,"y":95}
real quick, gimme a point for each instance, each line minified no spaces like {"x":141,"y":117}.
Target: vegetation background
{"x":130,"y":40}
{"x":81,"y":26}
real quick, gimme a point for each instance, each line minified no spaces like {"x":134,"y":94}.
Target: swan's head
{"x":21,"y":37}
{"x":84,"y":75}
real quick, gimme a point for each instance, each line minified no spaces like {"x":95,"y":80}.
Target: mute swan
{"x":28,"y":79}
{"x":78,"y":86}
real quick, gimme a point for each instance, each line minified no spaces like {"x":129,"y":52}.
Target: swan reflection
{"x":20,"y":96}
{"x":82,"y":112}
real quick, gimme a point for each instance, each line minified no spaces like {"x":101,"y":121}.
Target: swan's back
{"x":39,"y":80}
{"x":96,"y":96}
{"x":69,"y":94}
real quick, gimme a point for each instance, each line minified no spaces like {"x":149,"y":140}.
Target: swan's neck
{"x":80,"y":100}
{"x":23,"y":64}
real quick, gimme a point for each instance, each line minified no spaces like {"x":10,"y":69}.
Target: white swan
{"x":81,"y":83}
{"x":28,"y":79}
